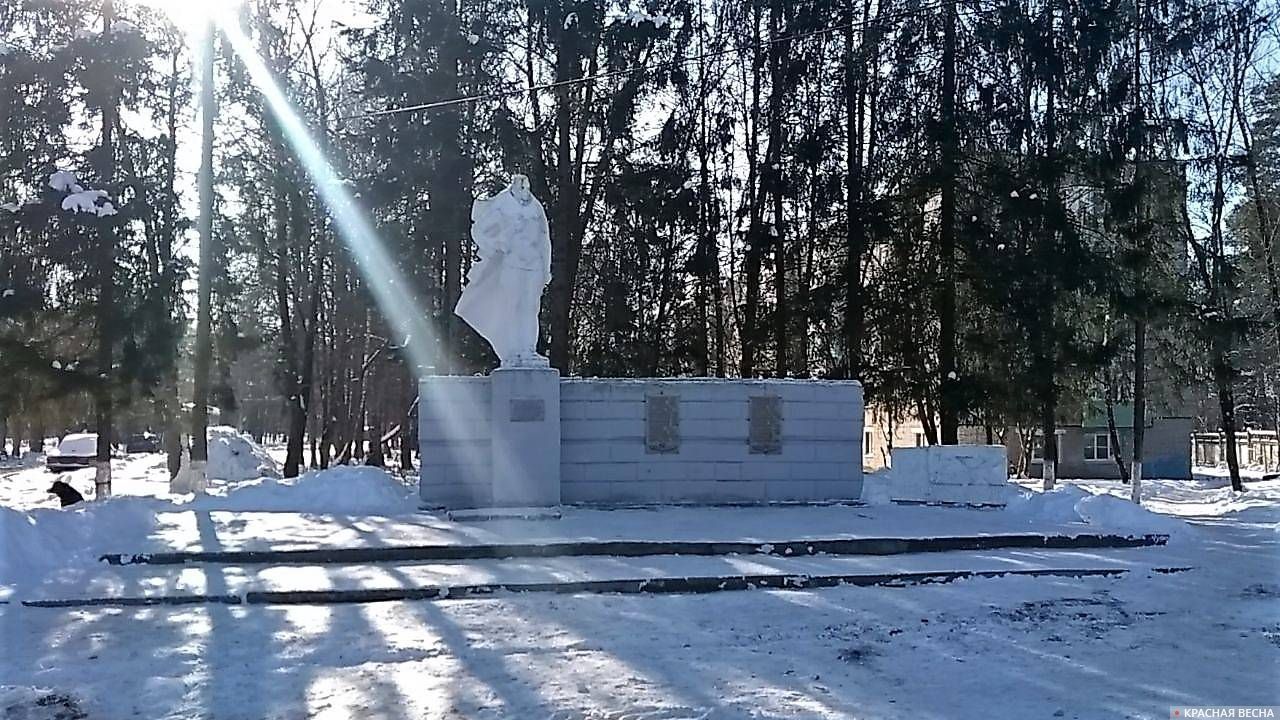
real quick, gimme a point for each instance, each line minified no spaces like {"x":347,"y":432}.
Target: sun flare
{"x":191,"y":16}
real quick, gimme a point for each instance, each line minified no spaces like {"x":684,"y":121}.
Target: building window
{"x":1097,"y":446}
{"x":1037,"y":445}
{"x":867,"y":437}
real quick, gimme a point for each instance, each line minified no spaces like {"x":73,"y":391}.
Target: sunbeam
{"x":393,"y":293}
{"x":395,"y":296}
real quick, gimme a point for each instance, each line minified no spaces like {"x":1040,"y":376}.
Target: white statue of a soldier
{"x":504,"y":288}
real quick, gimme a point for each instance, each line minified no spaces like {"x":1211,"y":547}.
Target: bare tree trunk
{"x":290,"y":385}
{"x":855,"y":233}
{"x":949,"y":412}
{"x":170,"y":404}
{"x":103,"y":390}
{"x":455,"y":189}
{"x":204,"y":312}
{"x":1139,"y":406}
{"x":755,"y":199}
{"x":805,"y":274}
{"x":1222,"y":377}
{"x":709,"y":214}
{"x":565,"y":240}
{"x":1139,"y":321}
{"x":1109,"y":399}
{"x":377,"y":428}
{"x":774,"y":174}
{"x":706,"y":254}
{"x":35,"y":436}
{"x":1049,"y":430}
{"x":409,"y":428}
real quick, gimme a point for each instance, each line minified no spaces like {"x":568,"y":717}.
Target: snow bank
{"x":1113,"y":512}
{"x":234,"y":457}
{"x":1055,"y":506}
{"x":1068,"y":504}
{"x":336,"y":491}
{"x":39,"y":542}
{"x":34,"y":543}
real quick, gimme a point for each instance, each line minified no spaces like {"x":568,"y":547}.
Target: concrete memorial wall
{"x":619,"y":441}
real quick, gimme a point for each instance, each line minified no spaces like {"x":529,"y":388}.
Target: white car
{"x":77,"y":450}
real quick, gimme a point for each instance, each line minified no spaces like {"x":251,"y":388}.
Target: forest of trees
{"x":988,"y":211}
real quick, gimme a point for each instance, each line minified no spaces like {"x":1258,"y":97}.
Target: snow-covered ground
{"x":1013,"y":647}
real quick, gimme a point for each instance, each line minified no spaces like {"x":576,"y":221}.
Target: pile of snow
{"x":636,"y":18}
{"x":86,"y":201}
{"x":35,"y":543}
{"x":336,"y":491}
{"x":79,"y":199}
{"x":1068,"y":504}
{"x":234,"y":457}
{"x":39,"y":542}
{"x":1112,"y":512}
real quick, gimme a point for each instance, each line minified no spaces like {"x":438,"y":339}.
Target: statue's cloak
{"x":509,"y":236}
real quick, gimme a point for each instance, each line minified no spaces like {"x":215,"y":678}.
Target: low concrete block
{"x":947,"y":473}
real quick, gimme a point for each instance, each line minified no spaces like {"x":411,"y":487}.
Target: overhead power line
{"x":685,"y":60}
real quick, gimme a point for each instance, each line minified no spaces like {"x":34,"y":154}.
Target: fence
{"x":1255,"y":449}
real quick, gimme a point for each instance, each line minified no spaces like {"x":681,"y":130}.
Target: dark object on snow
{"x":67,"y":494}
{"x":1271,"y":476}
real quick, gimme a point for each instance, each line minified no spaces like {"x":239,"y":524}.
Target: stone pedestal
{"x":525,"y":436}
